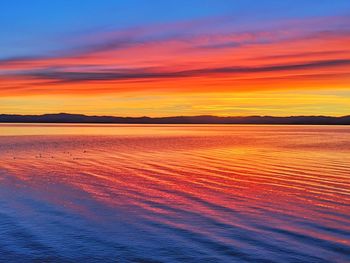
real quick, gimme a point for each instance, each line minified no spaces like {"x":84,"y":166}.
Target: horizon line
{"x":171,"y":116}
{"x":199,"y":119}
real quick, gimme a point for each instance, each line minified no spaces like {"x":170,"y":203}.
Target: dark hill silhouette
{"x":203,"y":119}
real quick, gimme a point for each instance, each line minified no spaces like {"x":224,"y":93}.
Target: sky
{"x":165,"y":58}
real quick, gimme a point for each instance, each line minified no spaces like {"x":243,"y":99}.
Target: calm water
{"x":172,"y":193}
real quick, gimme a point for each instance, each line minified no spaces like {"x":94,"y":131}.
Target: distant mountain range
{"x":203,"y":119}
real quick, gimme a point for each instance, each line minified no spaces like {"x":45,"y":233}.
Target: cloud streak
{"x":152,"y":58}
{"x":65,"y":76}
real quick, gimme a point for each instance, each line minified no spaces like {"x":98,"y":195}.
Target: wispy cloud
{"x":225,"y":59}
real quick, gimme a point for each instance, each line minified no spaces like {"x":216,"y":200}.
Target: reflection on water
{"x":172,"y":193}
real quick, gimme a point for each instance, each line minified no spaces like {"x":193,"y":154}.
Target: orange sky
{"x":297,"y":68}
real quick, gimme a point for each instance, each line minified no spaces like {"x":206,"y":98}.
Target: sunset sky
{"x":161,"y":58}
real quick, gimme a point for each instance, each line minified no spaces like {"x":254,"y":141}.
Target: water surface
{"x":174,"y":193}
